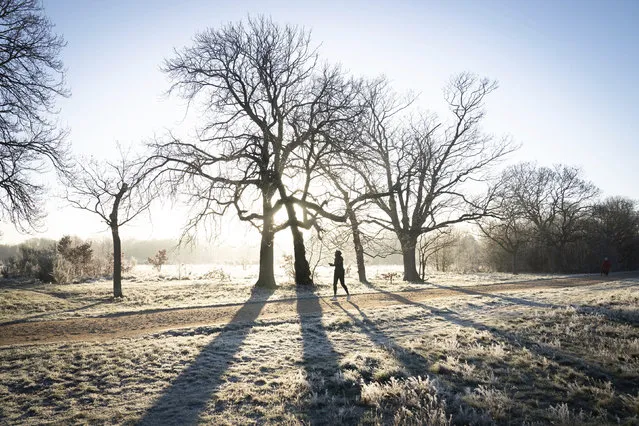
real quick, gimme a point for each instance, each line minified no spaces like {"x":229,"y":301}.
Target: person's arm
{"x":332,"y":264}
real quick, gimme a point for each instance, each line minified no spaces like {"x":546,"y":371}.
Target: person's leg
{"x":335,"y":285}
{"x":341,"y":280}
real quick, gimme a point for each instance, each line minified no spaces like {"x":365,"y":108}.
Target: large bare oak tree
{"x":268,"y":106}
{"x":31,"y":79}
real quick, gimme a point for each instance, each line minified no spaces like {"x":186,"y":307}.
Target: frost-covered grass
{"x":552,"y":356}
{"x":179,"y":286}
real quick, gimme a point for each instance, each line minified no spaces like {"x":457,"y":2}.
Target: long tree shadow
{"x":518,"y":340}
{"x":515,"y":300}
{"x":610,"y":314}
{"x":190,"y":392}
{"x":321,"y":364}
{"x":414,"y":363}
{"x":43,"y":315}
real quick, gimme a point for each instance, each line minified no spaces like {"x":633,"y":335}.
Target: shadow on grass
{"x":515,"y":300}
{"x":188,"y":395}
{"x":46,"y":314}
{"x":558,"y":355}
{"x":321,"y":364}
{"x":414,"y":363}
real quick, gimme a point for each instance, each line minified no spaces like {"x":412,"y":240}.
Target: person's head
{"x":338,"y":253}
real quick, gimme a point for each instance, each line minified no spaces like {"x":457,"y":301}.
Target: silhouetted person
{"x":338,"y":263}
{"x":605,"y":267}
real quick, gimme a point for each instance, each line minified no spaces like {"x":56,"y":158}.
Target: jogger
{"x":338,"y":263}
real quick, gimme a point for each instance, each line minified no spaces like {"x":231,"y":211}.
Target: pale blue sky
{"x":567,"y":71}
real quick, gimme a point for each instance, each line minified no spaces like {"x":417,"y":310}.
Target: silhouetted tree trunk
{"x":357,"y":244}
{"x":266,"y":278}
{"x":302,"y":268}
{"x":117,"y":262}
{"x":117,"y":244}
{"x":408,"y":244}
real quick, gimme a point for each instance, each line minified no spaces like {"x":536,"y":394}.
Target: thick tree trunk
{"x":266,"y":278}
{"x":357,"y":244}
{"x":117,"y":262}
{"x":408,"y":245}
{"x":302,"y":268}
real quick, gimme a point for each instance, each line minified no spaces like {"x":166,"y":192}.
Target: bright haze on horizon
{"x":566,"y":72}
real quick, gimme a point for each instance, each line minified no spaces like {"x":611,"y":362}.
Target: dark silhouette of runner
{"x":338,"y":263}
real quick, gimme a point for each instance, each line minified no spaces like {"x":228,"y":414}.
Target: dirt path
{"x":140,"y":323}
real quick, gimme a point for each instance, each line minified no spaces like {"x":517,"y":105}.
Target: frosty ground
{"x":543,"y":354}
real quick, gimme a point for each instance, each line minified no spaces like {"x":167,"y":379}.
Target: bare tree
{"x":268,"y":108}
{"x":113,"y":191}
{"x":426,"y":163}
{"x":31,"y":79}
{"x":508,"y":227}
{"x":356,"y":201}
{"x":429,"y":245}
{"x":616,"y":230}
{"x":557,"y":201}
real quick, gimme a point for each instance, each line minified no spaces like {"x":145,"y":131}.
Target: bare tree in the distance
{"x":508,"y":228}
{"x":114,"y":192}
{"x":557,"y":202}
{"x":31,"y":79}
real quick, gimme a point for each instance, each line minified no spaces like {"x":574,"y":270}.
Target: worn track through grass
{"x":139,"y":323}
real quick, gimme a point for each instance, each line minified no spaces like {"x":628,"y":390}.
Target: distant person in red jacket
{"x":605,"y":267}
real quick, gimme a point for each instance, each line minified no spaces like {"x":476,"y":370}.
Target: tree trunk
{"x":117,"y":245}
{"x":117,"y":262}
{"x":302,"y":268}
{"x":422,"y":267}
{"x":359,"y":248}
{"x":266,"y":278}
{"x":408,"y":245}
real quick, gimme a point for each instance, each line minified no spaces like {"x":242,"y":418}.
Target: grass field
{"x":546,"y":356}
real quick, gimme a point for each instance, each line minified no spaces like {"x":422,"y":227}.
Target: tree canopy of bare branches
{"x":557,"y":202}
{"x":425,"y":163}
{"x":31,"y":79}
{"x":268,"y":108}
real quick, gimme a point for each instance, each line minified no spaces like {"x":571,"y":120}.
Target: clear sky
{"x":566,"y":69}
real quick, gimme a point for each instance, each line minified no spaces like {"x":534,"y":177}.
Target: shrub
{"x":388,"y":277}
{"x":289,"y":266}
{"x":35,"y":262}
{"x":217,"y":275}
{"x":74,"y":260}
{"x":158,"y":260}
